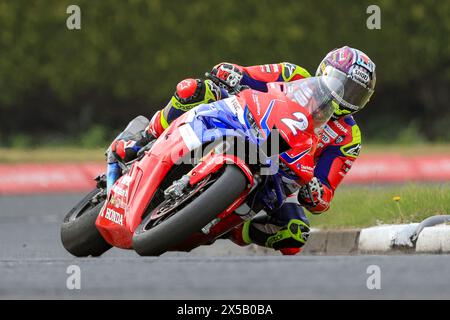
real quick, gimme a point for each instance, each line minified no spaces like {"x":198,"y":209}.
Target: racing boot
{"x":287,"y":230}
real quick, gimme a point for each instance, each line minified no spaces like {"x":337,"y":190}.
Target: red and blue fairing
{"x":251,"y":117}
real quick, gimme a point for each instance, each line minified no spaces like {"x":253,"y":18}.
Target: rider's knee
{"x":192,"y":92}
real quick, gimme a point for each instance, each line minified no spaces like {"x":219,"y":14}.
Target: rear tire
{"x":193,"y":217}
{"x":79,"y":235}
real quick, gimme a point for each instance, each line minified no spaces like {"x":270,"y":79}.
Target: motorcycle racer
{"x":287,"y":228}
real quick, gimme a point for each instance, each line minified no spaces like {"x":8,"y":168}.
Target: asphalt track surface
{"x":33,"y":265}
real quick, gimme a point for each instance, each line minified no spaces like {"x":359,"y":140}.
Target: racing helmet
{"x":357,"y":73}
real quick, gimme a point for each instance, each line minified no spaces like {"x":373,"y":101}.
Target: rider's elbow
{"x":319,"y":208}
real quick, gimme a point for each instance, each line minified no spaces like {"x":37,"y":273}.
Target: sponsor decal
{"x":361,"y":75}
{"x":180,"y":106}
{"x":117,"y":201}
{"x":288,"y":70}
{"x":120,"y":191}
{"x":339,"y":139}
{"x":235,"y":107}
{"x":343,"y":104}
{"x":258,"y":106}
{"x":347,"y":166}
{"x":307,"y":169}
{"x":351,"y":150}
{"x":340,"y":126}
{"x":113,"y":216}
{"x":325,"y":138}
{"x":303,"y":96}
{"x":330,"y":132}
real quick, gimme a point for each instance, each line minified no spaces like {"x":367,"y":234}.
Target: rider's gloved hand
{"x":123,"y":150}
{"x":310,"y":195}
{"x":229,"y":73}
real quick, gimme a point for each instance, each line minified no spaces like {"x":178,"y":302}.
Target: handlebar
{"x":222,"y":83}
{"x":145,"y":148}
{"x":125,"y":166}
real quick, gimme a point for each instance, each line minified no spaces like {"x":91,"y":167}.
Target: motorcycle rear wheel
{"x":153,"y":240}
{"x":79,"y":235}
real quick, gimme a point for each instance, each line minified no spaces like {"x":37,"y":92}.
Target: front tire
{"x":79,"y":235}
{"x":195,"y":215}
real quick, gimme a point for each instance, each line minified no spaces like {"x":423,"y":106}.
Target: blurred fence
{"x":368,"y":169}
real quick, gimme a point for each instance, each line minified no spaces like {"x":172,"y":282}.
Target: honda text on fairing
{"x":171,"y":198}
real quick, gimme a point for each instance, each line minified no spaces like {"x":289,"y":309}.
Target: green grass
{"x":51,"y":155}
{"x":363,"y":206}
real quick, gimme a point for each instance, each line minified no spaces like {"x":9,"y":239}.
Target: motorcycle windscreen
{"x":133,"y":131}
{"x":317,"y":95}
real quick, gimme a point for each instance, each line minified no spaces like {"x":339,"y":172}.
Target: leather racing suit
{"x":338,"y":148}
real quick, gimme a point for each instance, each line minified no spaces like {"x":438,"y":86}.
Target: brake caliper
{"x":177,"y":188}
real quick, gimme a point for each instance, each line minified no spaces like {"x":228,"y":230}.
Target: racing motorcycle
{"x":214,"y":167}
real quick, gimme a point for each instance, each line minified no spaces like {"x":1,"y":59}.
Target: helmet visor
{"x":356,"y":93}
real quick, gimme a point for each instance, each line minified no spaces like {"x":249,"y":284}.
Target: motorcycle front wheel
{"x":180,"y":218}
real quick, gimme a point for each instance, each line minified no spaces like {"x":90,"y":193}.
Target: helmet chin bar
{"x":356,"y":71}
{"x":342,"y":102}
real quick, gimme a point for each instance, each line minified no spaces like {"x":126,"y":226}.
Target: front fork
{"x":113,"y":172}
